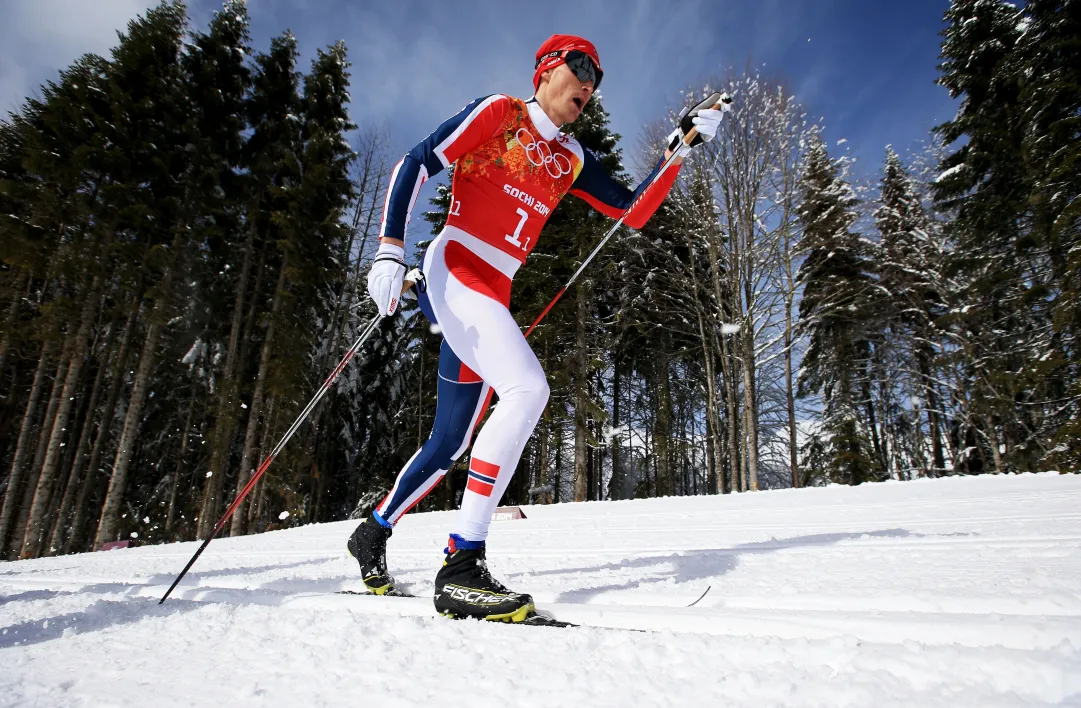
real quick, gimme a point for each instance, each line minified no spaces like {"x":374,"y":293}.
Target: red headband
{"x":550,"y":54}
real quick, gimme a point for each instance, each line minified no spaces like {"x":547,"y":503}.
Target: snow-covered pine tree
{"x":147,"y":92}
{"x":655,"y":337}
{"x":835,"y":285}
{"x":309,"y":231}
{"x":1003,"y":326}
{"x":218,"y":86}
{"x":327,"y":192}
{"x":271,"y":156}
{"x":198,"y":355}
{"x":1050,"y":97}
{"x":55,"y":244}
{"x":345,"y":412}
{"x":910,"y":304}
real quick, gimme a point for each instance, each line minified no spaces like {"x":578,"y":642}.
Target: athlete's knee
{"x":438,"y":450}
{"x":543,"y":391}
{"x":441,"y":447}
{"x":534,"y":393}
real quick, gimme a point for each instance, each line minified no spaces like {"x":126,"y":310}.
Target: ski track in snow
{"x":954,"y":592}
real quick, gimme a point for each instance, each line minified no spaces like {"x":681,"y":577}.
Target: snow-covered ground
{"x":954,"y":592}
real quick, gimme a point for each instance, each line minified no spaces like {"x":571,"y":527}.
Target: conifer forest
{"x":186,"y":226}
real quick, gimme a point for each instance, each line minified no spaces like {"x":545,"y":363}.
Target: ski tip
{"x":700,"y":596}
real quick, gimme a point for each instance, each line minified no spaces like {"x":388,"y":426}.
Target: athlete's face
{"x":564,"y":95}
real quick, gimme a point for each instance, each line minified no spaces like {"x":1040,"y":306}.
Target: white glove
{"x":707,"y":121}
{"x":386,"y":277}
{"x":703,"y":118}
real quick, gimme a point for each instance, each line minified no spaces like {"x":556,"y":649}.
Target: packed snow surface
{"x":954,"y":592}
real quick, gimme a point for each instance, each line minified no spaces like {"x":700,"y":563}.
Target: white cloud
{"x":61,"y":30}
{"x":38,"y":38}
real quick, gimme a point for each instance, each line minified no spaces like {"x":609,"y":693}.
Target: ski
{"x":389,"y":593}
{"x":536,"y":619}
{"x":401,"y":593}
{"x":708,"y":587}
{"x":539,"y":618}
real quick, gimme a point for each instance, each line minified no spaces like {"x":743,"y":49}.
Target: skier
{"x":513,"y":166}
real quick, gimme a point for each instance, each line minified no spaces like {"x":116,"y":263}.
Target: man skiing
{"x":513,"y":166}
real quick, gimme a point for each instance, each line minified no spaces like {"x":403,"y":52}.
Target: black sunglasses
{"x":580,"y":63}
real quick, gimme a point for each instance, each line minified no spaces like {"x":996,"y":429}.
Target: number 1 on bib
{"x":518,"y":231}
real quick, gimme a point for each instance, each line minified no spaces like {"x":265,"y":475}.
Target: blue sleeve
{"x":603,"y":193}
{"x":415,"y":168}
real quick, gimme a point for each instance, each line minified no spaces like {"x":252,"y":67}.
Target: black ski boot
{"x":465,"y":588}
{"x":368,"y":545}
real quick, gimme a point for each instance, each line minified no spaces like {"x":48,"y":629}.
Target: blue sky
{"x":867,"y":69}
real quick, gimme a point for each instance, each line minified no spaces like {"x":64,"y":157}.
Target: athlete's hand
{"x":386,"y":277}
{"x":704,"y":118}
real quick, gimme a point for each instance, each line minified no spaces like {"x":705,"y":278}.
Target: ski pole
{"x":367,"y":332}
{"x":714,"y":101}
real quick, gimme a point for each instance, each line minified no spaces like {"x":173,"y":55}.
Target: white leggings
{"x":484,"y":336}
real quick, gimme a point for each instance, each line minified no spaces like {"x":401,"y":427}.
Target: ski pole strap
{"x":389,"y":257}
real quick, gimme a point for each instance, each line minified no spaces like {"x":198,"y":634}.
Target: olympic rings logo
{"x":540,"y":154}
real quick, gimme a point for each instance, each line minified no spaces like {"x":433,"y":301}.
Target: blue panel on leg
{"x":455,"y":406}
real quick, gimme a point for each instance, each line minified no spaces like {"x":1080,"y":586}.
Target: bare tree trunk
{"x":206,"y":519}
{"x":5,"y":341}
{"x":545,"y":425}
{"x":185,"y":433}
{"x":591,"y":459}
{"x":52,"y":513}
{"x":542,"y":462}
{"x":876,"y":442}
{"x":257,"y":509}
{"x":118,"y":481}
{"x":992,"y":435}
{"x":662,"y":433}
{"x":938,"y":456}
{"x":368,"y":179}
{"x":750,"y":407}
{"x":373,"y":174}
{"x":47,"y":479}
{"x":712,"y":418}
{"x":731,"y":395}
{"x":615,"y":484}
{"x":557,"y":481}
{"x":581,"y":489}
{"x":18,"y":467}
{"x":90,"y":483}
{"x":226,"y":410}
{"x":24,"y":499}
{"x":727,"y":364}
{"x":62,"y":530}
{"x":711,"y":456}
{"x":790,"y":398}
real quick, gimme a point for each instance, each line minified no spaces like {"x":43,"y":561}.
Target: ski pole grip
{"x":716,"y":100}
{"x":411,"y":279}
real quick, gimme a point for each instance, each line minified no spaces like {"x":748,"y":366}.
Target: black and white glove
{"x":386,"y":277}
{"x":704,"y":118}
